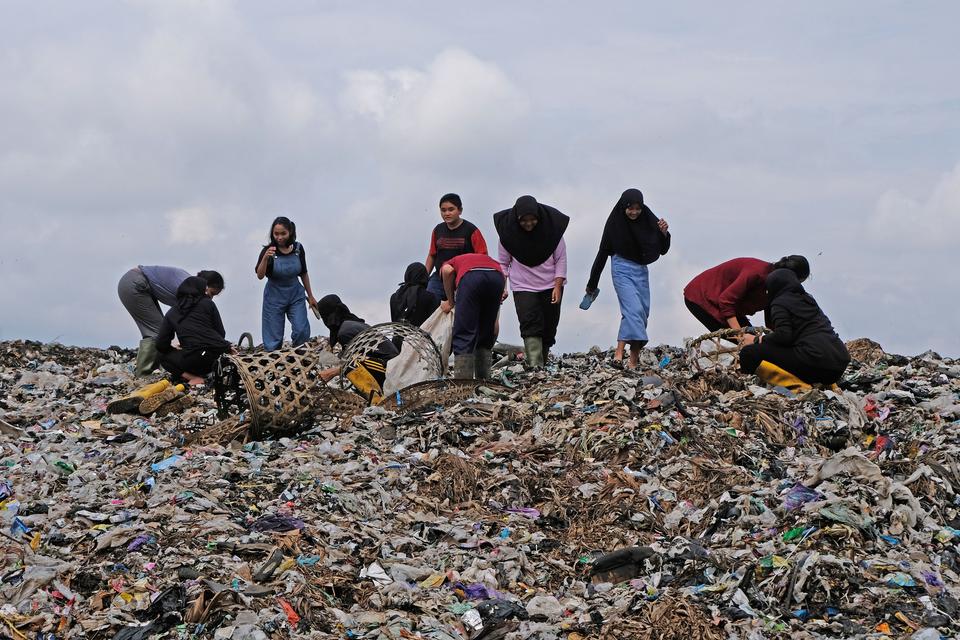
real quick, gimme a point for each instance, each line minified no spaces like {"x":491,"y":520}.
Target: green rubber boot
{"x":463,"y":366}
{"x":482,"y":364}
{"x":533,"y":352}
{"x":146,"y":358}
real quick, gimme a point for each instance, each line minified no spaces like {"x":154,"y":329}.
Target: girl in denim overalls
{"x":283,"y":263}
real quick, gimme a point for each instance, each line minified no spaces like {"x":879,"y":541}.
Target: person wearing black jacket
{"x":635,"y":238}
{"x":196,"y":322}
{"x":412,"y":302}
{"x":803,"y":341}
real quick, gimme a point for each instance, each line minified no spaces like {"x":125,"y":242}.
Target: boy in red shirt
{"x":451,"y":238}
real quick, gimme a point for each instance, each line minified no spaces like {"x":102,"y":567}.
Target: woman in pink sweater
{"x":533,"y":257}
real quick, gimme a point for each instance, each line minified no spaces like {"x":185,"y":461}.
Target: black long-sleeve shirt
{"x":200,"y":328}
{"x":655,"y":244}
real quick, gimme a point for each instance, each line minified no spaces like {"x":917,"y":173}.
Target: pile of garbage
{"x":580,"y":501}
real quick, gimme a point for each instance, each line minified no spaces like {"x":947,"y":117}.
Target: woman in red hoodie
{"x":723,"y":296}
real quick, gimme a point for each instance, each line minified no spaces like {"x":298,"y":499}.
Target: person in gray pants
{"x":141,"y":289}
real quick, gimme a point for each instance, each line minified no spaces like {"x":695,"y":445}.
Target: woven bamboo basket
{"x":281,"y":389}
{"x":425,"y":352}
{"x":717,"y":351}
{"x":419,"y":358}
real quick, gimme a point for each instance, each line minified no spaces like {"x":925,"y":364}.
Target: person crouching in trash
{"x":195,"y":321}
{"x":803,"y":341}
{"x":474,"y":283}
{"x":368,"y":372}
{"x":533,"y":256}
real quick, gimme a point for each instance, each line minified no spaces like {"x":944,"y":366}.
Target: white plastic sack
{"x":407,"y":368}
{"x":440,"y":328}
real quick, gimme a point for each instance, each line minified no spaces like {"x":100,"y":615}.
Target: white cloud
{"x":457,"y":105}
{"x":932,"y":222}
{"x":774,"y":139}
{"x":191,"y":225}
{"x":173,"y":107}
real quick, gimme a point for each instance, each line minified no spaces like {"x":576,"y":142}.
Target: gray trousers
{"x":137,"y":297}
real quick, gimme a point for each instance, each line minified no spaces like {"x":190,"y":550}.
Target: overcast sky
{"x":172,"y":132}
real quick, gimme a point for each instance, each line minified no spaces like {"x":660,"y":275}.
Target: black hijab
{"x":534,"y":247}
{"x":333,"y":313}
{"x":784,"y":289}
{"x":405,"y":299}
{"x":190,"y":292}
{"x":637,"y":240}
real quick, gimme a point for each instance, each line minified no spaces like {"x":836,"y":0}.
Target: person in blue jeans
{"x":283,"y":263}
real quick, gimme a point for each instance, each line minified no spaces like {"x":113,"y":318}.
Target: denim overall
{"x":283,"y":295}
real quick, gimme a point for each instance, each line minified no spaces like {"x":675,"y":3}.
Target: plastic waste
{"x":414,"y":519}
{"x":588,"y":298}
{"x":166,"y":463}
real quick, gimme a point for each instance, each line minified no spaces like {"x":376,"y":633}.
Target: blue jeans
{"x":435,"y":286}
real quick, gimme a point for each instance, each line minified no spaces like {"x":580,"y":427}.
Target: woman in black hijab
{"x":336,"y":316}
{"x":803,"y":341}
{"x":412,"y":302}
{"x":533,"y":257}
{"x":635,"y":238}
{"x":196,"y":322}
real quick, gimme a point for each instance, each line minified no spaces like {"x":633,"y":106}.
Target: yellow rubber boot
{"x":131,"y":403}
{"x":153,"y":402}
{"x":774,"y":375}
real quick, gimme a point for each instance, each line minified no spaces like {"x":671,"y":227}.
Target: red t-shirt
{"x":446,"y":243}
{"x":734,"y":288}
{"x":467,"y":262}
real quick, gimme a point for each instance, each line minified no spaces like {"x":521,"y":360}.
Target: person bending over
{"x":368,"y":372}
{"x":141,"y":290}
{"x":723,"y":296}
{"x":474,"y":283}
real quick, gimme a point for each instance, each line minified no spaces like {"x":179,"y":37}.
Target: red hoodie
{"x":734,"y":288}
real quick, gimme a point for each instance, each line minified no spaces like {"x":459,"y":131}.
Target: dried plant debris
{"x":579,"y":501}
